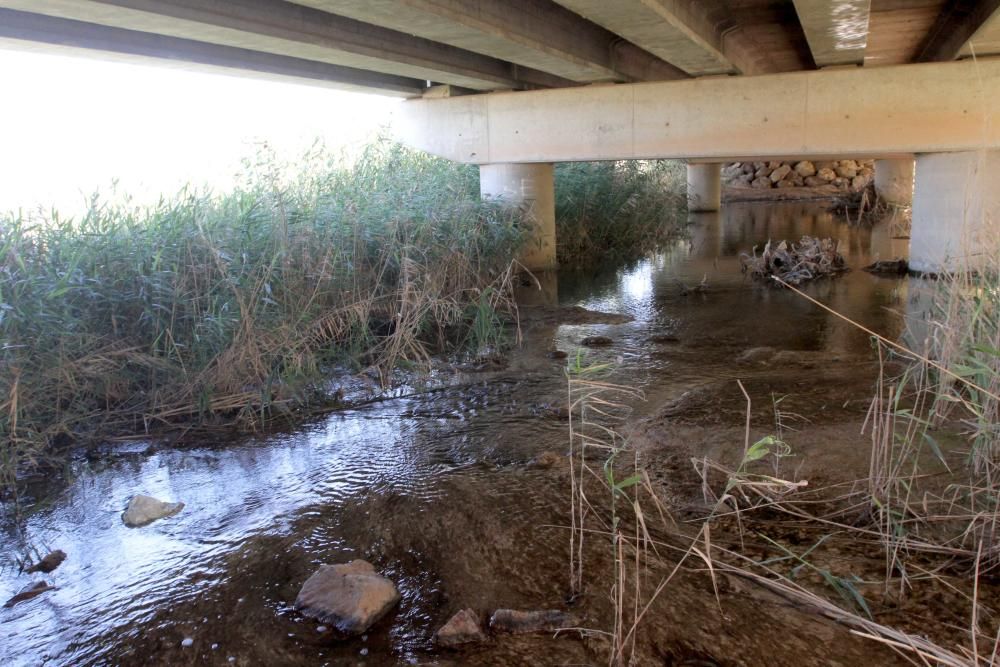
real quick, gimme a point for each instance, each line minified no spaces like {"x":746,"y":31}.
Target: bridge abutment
{"x":894,"y":180}
{"x":533,"y":186}
{"x":956,"y":203}
{"x":704,"y":186}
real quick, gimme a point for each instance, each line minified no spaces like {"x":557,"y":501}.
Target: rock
{"x":596,"y":341}
{"x":350,"y":596}
{"x":847,"y":169}
{"x":773,"y":165}
{"x":463,"y":628}
{"x":748,"y":168}
{"x":49,"y":563}
{"x":759,"y":165}
{"x":28,"y":592}
{"x":761,"y":183}
{"x":805,"y":168}
{"x":826,"y":164}
{"x":780,"y":173}
{"x":859,"y":182}
{"x":826,"y":174}
{"x":796,"y":180}
{"x":894,"y":267}
{"x":763,"y":172}
{"x":786,"y":184}
{"x":841,"y":182}
{"x":664,"y":338}
{"x":741,"y":182}
{"x":548,"y":459}
{"x":144,"y":510}
{"x":518,"y":622}
{"x":813,"y":181}
{"x":756,"y":355}
{"x":187,"y":642}
{"x":557,"y":354}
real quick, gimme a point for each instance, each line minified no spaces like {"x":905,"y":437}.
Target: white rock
{"x":187,"y":642}
{"x":143,"y":510}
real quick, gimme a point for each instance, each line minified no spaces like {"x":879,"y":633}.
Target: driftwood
{"x":795,"y":263}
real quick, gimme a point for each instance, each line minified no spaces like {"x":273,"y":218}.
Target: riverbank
{"x":233,"y":310}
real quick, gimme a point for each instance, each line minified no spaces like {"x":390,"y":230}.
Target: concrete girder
{"x":837,"y":32}
{"x":958,"y":24}
{"x":286,"y":29}
{"x":846,"y":112}
{"x":530,"y":33}
{"x":986,"y":40}
{"x":27,"y":31}
{"x":679,"y":32}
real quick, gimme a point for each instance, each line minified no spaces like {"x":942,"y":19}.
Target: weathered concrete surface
{"x":894,"y":180}
{"x":532,"y":185}
{"x":531,"y":33}
{"x":986,"y":40}
{"x":289,"y":30}
{"x":704,"y":186}
{"x":679,"y":32}
{"x":956,"y":206}
{"x":350,"y":596}
{"x":837,"y":32}
{"x":851,"y":112}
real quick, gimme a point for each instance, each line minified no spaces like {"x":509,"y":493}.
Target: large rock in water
{"x":142,"y":510}
{"x":350,"y":596}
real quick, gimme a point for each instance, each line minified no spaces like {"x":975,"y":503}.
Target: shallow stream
{"x":437,"y":489}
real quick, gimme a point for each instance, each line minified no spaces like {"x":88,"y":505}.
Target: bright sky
{"x":69,"y":126}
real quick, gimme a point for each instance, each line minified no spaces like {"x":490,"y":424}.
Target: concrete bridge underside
{"x":515,"y":85}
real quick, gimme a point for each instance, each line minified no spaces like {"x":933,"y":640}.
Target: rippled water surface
{"x":436,"y":489}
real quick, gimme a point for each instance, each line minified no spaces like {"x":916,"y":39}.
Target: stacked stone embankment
{"x":843,"y":175}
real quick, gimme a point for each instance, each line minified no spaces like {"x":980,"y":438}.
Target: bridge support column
{"x":956,"y":210}
{"x":704,"y":186}
{"x":534,"y":186}
{"x":894,"y":181}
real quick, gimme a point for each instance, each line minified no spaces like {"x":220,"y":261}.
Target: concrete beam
{"x":986,"y":40}
{"x":847,"y":112}
{"x":680,"y":33}
{"x":837,"y":32}
{"x":958,"y":23}
{"x":286,"y":29}
{"x":530,"y":33}
{"x":32,"y":32}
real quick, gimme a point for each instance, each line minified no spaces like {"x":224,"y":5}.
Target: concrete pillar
{"x":894,"y":181}
{"x":704,"y":186}
{"x":534,"y":186}
{"x":956,"y":210}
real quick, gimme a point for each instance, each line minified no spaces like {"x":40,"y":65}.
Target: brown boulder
{"x":780,"y":173}
{"x":518,"y":622}
{"x":462,"y":628}
{"x":350,"y":596}
{"x":805,"y":169}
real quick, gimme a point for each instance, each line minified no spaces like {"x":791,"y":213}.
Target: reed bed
{"x":232,"y":309}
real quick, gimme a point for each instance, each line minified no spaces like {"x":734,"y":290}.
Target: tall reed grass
{"x":234,"y":304}
{"x":617,"y":211}
{"x":233,"y":308}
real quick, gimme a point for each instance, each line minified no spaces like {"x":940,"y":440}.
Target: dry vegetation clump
{"x":795,"y":263}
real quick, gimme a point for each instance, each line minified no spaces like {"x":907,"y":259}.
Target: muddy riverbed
{"x":446,"y":494}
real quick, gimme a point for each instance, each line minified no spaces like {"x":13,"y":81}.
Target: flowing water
{"x":437,"y":489}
